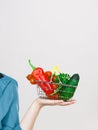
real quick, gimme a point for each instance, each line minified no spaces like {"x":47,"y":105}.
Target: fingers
{"x":60,"y":102}
{"x":57,"y":102}
{"x":67,"y":103}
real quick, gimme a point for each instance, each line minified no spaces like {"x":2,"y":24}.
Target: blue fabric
{"x":9,"y":107}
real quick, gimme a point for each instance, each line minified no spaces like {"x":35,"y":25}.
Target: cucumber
{"x":67,"y":92}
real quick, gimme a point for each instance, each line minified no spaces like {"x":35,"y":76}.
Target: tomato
{"x":55,"y":86}
{"x":49,"y":74}
{"x":29,"y":76}
{"x":56,"y":96}
{"x":54,"y":77}
{"x":32,"y":81}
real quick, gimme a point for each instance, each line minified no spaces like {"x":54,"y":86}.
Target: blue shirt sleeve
{"x":9,"y":107}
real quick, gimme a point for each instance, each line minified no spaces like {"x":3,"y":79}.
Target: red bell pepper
{"x":42,"y":79}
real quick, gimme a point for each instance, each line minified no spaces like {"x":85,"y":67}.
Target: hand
{"x":28,"y":121}
{"x":50,"y":102}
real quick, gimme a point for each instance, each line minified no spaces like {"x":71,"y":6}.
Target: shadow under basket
{"x":65,"y":92}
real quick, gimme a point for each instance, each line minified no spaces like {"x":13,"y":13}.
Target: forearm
{"x":29,"y":118}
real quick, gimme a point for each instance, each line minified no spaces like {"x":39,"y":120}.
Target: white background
{"x":53,"y":32}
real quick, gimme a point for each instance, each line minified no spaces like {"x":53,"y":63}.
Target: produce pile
{"x":55,"y":84}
